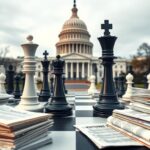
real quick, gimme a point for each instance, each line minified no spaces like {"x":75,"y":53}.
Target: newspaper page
{"x":10,"y":116}
{"x":103,"y":136}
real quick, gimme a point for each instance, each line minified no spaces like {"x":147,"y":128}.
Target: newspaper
{"x":11,"y":117}
{"x":103,"y":136}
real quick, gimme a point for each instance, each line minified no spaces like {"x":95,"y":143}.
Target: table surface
{"x":66,"y":137}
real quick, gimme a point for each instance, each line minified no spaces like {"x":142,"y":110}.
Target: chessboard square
{"x":84,"y":113}
{"x":63,"y":124}
{"x":83,"y":143}
{"x":63,"y":140}
{"x":84,"y":108}
{"x":90,"y":120}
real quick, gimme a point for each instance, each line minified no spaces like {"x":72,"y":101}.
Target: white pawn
{"x":35,"y":83}
{"x":2,"y":83}
{"x":127,"y":96}
{"x":148,"y":81}
{"x":92,"y":90}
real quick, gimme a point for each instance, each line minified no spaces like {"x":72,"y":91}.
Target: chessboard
{"x":66,"y":137}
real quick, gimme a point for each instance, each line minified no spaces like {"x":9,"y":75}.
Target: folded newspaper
{"x":103,"y":136}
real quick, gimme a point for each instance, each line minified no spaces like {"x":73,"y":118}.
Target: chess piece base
{"x":105,"y":109}
{"x":59,"y":110}
{"x":30,"y":104}
{"x":44,"y":96}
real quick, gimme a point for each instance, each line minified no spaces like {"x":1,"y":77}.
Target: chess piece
{"x":10,"y":79}
{"x":63,"y":78}
{"x":45,"y":91}
{"x":23,"y":81}
{"x":145,"y":81}
{"x":2,"y":83}
{"x":35,"y":83}
{"x":116,"y":84}
{"x":108,"y":100}
{"x":17,"y":92}
{"x":148,"y":81}
{"x":121,"y":83}
{"x":29,"y":98}
{"x":128,"y":94}
{"x":58,"y":105}
{"x":52,"y":86}
{"x":92,"y":90}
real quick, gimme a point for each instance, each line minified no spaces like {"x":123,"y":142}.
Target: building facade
{"x":75,"y":47}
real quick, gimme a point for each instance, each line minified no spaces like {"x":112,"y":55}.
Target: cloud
{"x":44,"y":19}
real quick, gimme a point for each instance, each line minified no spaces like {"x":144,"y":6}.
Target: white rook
{"x":29,"y":98}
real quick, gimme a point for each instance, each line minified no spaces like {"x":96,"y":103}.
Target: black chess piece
{"x":58,"y":105}
{"x":22,"y":81}
{"x":52,"y":86}
{"x":45,"y":91}
{"x":17,"y":92}
{"x":108,"y":100}
{"x":116,"y":84}
{"x":121,"y":85}
{"x":10,"y":79}
{"x":64,"y":84}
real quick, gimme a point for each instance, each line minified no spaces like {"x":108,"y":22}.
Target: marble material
{"x":29,"y":98}
{"x":92,"y":90}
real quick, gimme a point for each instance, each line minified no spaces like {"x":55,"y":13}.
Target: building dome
{"x":74,"y":23}
{"x":74,"y":36}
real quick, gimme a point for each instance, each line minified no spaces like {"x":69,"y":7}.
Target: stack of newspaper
{"x":23,"y":130}
{"x":131,"y":123}
{"x":141,"y":100}
{"x":132,"y":126}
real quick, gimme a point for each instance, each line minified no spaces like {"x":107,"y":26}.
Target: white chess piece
{"x":92,"y":90}
{"x":127,"y":96}
{"x":2,"y":83}
{"x":29,"y":98}
{"x":35,"y":83}
{"x":148,"y":81}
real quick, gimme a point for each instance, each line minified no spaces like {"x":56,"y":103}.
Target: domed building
{"x":76,"y":49}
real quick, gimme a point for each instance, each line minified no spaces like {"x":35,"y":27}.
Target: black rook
{"x":108,"y":99}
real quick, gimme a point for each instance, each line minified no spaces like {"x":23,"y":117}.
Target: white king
{"x":29,"y":98}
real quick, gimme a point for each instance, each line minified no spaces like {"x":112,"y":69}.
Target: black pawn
{"x":45,"y":91}
{"x":10,"y":79}
{"x":108,"y":100}
{"x":52,"y":86}
{"x":64,"y":84}
{"x":17,"y":92}
{"x":58,"y":105}
{"x":121,"y":85}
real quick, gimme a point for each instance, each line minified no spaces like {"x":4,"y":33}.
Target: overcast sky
{"x":44,"y":20}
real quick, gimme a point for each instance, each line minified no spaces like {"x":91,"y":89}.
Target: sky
{"x":44,"y":20}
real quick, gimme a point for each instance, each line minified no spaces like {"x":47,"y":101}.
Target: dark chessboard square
{"x":84,"y":113}
{"x":63,"y":124}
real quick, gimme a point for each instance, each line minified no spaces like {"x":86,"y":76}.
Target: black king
{"x":108,"y":100}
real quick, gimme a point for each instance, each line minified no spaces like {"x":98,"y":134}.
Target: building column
{"x":66,"y":70}
{"x":77,"y":67}
{"x":91,"y":70}
{"x":71,"y":70}
{"x":88,"y":69}
{"x":83,"y":73}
